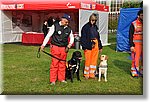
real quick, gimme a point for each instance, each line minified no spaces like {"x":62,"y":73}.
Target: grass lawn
{"x":24,"y":73}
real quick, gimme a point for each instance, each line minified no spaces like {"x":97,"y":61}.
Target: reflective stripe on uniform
{"x":137,"y":40}
{"x":134,"y":72}
{"x":85,"y":72}
{"x":92,"y":66}
{"x":87,"y":68}
{"x":92,"y":71}
{"x":140,"y":33}
{"x":133,"y":68}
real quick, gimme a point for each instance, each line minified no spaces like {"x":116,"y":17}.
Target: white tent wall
{"x":6,"y":26}
{"x":103,"y":27}
{"x":8,"y":33}
{"x":102,"y":23}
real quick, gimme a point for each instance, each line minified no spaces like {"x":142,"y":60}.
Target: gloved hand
{"x":93,"y":44}
{"x":41,"y":47}
{"x":67,"y":48}
{"x":132,"y":49}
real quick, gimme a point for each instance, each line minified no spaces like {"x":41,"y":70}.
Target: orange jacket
{"x":138,"y":31}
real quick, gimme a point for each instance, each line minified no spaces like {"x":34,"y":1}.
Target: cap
{"x":67,"y":17}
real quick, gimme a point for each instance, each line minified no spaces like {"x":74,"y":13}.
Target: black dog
{"x":73,"y":66}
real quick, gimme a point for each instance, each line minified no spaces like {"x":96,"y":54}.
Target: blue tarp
{"x":127,"y":16}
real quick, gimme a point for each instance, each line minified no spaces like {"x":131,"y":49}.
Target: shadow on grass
{"x":112,"y":40}
{"x":123,"y":65}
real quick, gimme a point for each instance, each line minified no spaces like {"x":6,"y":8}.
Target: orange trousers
{"x":137,"y":54}
{"x":57,"y":68}
{"x":91,"y":57}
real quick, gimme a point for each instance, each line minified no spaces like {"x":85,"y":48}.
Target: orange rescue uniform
{"x":91,"y":57}
{"x":138,"y":42}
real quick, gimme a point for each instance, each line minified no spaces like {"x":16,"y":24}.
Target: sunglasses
{"x":93,"y":20}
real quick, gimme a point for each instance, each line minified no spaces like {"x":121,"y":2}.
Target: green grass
{"x":24,"y":73}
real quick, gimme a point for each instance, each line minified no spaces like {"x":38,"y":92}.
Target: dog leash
{"x":38,"y":55}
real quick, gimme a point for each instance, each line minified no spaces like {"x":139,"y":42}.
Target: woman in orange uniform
{"x":91,"y":44}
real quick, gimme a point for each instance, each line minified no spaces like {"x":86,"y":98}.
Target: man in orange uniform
{"x":91,"y":44}
{"x":136,"y":44}
{"x":59,"y":33}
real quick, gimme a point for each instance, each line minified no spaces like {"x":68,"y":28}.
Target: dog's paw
{"x":105,"y":80}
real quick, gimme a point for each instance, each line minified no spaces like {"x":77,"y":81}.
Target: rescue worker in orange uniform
{"x":59,"y":33}
{"x":136,"y":45}
{"x":91,"y":44}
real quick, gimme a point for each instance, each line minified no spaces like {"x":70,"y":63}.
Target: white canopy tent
{"x":81,"y":9}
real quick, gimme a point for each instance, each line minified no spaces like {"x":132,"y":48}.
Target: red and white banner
{"x":51,"y":4}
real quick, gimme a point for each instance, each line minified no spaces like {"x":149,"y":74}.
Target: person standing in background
{"x":50,"y":21}
{"x":91,"y":44}
{"x":136,"y":45}
{"x":45,"y":28}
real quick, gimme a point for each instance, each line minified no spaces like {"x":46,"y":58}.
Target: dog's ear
{"x":80,"y":54}
{"x":106,"y":57}
{"x":102,"y":57}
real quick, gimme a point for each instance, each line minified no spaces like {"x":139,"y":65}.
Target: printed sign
{"x":20,"y":6}
{"x":88,"y":6}
{"x":11,"y":6}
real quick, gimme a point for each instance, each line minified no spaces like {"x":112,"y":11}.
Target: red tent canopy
{"x":50,"y":4}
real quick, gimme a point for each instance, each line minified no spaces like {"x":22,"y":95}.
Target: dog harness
{"x":103,"y":66}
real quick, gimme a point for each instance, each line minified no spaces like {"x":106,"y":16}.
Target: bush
{"x":112,"y":24}
{"x":132,"y":4}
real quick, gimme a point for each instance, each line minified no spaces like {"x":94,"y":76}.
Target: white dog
{"x":103,"y":67}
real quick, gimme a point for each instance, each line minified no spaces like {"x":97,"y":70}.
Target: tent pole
{"x":80,"y":26}
{"x":79,"y":23}
{"x":1,"y":26}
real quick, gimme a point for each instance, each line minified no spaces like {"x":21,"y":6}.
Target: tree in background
{"x":141,"y":4}
{"x":132,"y":5}
{"x":113,"y":18}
